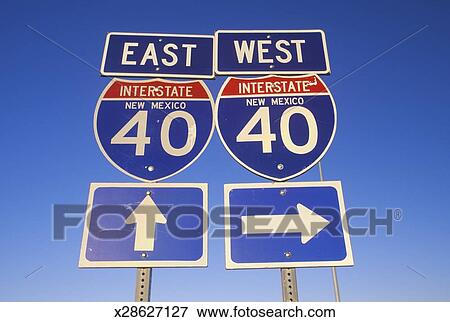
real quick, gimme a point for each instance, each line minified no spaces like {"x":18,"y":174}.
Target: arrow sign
{"x":306,"y":222}
{"x":312,"y":233}
{"x":150,"y":232}
{"x":145,"y":216}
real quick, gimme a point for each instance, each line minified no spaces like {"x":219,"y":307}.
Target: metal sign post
{"x":289,"y":285}
{"x":143,"y":284}
{"x":337,"y":295}
{"x":289,"y":288}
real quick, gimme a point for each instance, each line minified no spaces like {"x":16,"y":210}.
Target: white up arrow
{"x":145,"y":216}
{"x":306,"y":222}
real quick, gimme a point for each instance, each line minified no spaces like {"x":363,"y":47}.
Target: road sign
{"x":281,"y":225}
{"x":153,"y":129}
{"x":262,"y":52}
{"x":145,"y":225}
{"x":158,"y":55}
{"x":276,"y":127}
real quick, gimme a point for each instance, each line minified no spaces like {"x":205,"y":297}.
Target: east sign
{"x":158,"y":55}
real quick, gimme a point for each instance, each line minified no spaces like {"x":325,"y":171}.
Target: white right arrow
{"x":306,"y":222}
{"x":145,"y":216}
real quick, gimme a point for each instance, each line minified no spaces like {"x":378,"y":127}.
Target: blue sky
{"x":390,"y":80}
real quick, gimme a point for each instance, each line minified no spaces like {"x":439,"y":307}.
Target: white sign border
{"x":117,"y":74}
{"x":216,"y":120}
{"x":97,"y":139}
{"x":216,"y":53}
{"x":230,"y":264}
{"x":201,"y":262}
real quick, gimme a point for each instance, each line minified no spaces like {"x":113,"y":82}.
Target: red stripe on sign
{"x":274,"y":85}
{"x":157,"y":90}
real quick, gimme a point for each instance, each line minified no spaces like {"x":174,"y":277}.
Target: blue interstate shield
{"x":151,"y":130}
{"x":276,"y":127}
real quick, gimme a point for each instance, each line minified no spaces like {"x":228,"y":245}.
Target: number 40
{"x":141,"y":139}
{"x":266,"y":137}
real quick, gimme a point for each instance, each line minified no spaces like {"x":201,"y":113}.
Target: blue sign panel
{"x":296,"y":224}
{"x":151,"y":130}
{"x":276,"y":127}
{"x":145,"y":225}
{"x":262,"y":52}
{"x":158,"y":55}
